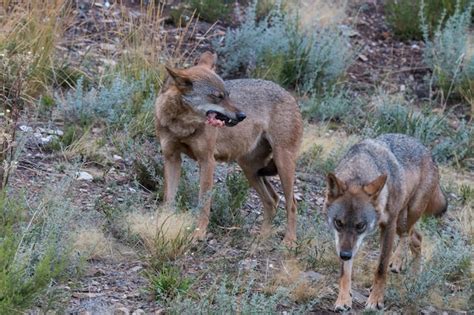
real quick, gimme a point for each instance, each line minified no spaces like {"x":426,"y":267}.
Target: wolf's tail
{"x":438,"y":204}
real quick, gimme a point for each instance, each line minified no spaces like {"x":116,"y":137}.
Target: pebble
{"x":84,"y":176}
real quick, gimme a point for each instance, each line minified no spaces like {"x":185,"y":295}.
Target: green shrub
{"x":278,"y":48}
{"x":118,"y":102}
{"x":168,"y":283}
{"x":457,"y":147}
{"x":237,"y":296}
{"x":227,"y":201}
{"x":445,"y":53}
{"x":335,"y":104}
{"x":394,"y":118}
{"x":211,"y":10}
{"x":403,"y":16}
{"x":34,"y":248}
{"x":450,"y":260}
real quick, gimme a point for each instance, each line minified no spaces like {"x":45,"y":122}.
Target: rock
{"x":363,"y":58}
{"x":122,"y":311}
{"x":212,"y":242}
{"x":117,"y":158}
{"x":311,"y":275}
{"x":84,"y":176}
{"x":248,"y":264}
{"x":25,"y":128}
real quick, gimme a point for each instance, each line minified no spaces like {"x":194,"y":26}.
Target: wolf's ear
{"x":336,"y":187}
{"x":180,"y":78}
{"x":208,"y":60}
{"x":374,"y":188}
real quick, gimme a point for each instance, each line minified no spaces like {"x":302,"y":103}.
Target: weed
{"x":228,"y":200}
{"x":168,"y":283}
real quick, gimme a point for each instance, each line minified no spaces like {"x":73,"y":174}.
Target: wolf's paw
{"x":289,"y":241}
{"x":375,"y":301}
{"x":396,"y":265}
{"x":343,"y":303}
{"x":199,"y":234}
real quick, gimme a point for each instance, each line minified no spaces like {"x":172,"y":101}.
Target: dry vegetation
{"x":82,"y":227}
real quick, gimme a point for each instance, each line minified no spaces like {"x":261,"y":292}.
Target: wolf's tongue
{"x":213,"y":121}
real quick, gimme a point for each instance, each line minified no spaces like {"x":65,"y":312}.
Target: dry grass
{"x":322,"y":13}
{"x":33,"y":28}
{"x":165,"y":235}
{"x":91,"y":243}
{"x":301,"y":289}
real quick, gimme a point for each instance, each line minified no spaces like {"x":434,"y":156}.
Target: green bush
{"x":211,"y":10}
{"x":227,"y":201}
{"x":119,"y":102}
{"x":335,"y":105}
{"x":168,"y":283}
{"x":34,"y":249}
{"x":278,"y":48}
{"x":238,"y":296}
{"x":445,"y":54}
{"x":403,"y":16}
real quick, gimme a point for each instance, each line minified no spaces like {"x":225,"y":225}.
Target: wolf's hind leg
{"x":398,"y":260}
{"x":267,"y":195}
{"x":286,"y":165}
{"x":415,"y":247}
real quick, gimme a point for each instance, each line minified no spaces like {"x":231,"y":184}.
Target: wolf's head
{"x":353,"y":211}
{"x":204,"y":91}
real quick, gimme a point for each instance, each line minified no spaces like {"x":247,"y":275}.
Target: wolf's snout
{"x":345,"y":255}
{"x":240,"y":116}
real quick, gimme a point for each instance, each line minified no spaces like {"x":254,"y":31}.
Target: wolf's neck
{"x":176,"y":116}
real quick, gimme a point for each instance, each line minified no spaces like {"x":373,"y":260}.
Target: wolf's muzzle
{"x":229,"y":122}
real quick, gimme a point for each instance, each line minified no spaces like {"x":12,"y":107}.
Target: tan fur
{"x":270,"y":135}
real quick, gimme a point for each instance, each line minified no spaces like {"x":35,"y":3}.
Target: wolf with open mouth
{"x":253,"y":122}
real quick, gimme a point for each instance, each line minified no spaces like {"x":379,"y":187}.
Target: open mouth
{"x":217,"y":119}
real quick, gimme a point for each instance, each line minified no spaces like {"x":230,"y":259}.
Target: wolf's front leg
{"x":172,"y":173}
{"x":206,"y":179}
{"x":344,"y":299}
{"x":387,"y":235}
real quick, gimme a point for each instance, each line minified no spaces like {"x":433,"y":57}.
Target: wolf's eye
{"x":338,"y":224}
{"x":360,"y":227}
{"x":217,"y":96}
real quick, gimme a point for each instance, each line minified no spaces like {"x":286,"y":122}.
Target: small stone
{"x":25,"y":128}
{"x":84,"y":176}
{"x":363,"y":58}
{"x":212,"y":242}
{"x":402,"y":87}
{"x":312,"y":275}
{"x":138,"y":312}
{"x":415,"y":46}
{"x":117,"y":158}
{"x":122,"y":311}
